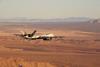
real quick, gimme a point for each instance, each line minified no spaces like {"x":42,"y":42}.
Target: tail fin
{"x":34,"y":32}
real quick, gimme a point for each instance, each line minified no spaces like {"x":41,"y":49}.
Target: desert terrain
{"x":79,"y":48}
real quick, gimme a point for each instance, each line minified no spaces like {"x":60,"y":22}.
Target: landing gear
{"x":47,"y":38}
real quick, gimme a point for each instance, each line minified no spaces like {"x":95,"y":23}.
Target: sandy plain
{"x":78,"y":49}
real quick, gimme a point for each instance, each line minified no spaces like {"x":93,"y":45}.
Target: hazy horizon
{"x":48,"y":9}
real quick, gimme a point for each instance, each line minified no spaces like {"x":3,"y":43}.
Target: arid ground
{"x":79,"y":48}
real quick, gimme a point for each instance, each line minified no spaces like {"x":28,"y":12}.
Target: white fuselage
{"x":40,"y":36}
{"x":47,"y":35}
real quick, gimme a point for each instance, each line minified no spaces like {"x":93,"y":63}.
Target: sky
{"x":42,"y":9}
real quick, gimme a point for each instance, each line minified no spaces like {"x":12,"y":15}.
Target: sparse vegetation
{"x":19,"y":62}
